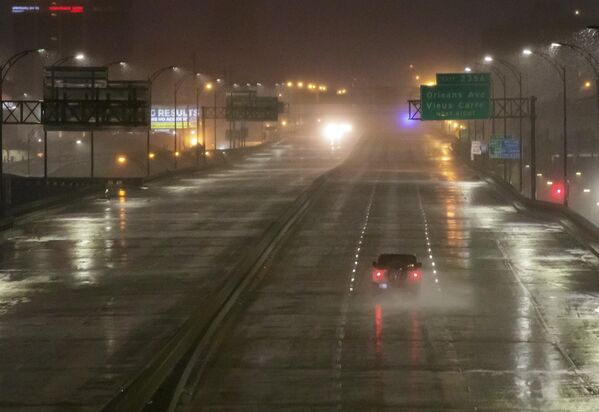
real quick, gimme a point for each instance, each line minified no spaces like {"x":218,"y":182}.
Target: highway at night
{"x":505,"y":318}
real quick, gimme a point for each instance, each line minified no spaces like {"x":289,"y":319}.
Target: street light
{"x":121,"y":63}
{"x":178,"y":84}
{"x":561,"y":70}
{"x":211,"y":86}
{"x":151,"y":79}
{"x":4,"y":70}
{"x":78,"y":57}
{"x":29,"y":136}
{"x":467,"y":69}
{"x":594,"y":63}
{"x":518,"y":75}
{"x":501,"y":76}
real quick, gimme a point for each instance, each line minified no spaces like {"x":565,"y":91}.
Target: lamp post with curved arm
{"x":518,"y":76}
{"x":120,"y":63}
{"x":501,"y":76}
{"x":78,"y":57}
{"x":178,"y":85}
{"x":4,"y":70}
{"x":594,"y":63}
{"x":561,"y":70}
{"x":151,"y":79}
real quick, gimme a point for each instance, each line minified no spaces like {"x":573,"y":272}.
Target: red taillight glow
{"x":379,"y":274}
{"x":415,"y":275}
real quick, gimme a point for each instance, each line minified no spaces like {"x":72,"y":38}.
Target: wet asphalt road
{"x":90,"y":292}
{"x":507,"y":317}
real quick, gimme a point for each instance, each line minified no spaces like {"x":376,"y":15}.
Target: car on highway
{"x":114,"y":189}
{"x":396,"y":270}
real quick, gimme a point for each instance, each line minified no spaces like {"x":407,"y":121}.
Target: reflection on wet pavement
{"x":506,"y":319}
{"x":89,"y":292}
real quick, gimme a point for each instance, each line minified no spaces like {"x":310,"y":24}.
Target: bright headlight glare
{"x":335,"y":131}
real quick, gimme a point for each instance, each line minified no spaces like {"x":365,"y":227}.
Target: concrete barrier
{"x":578,"y":226}
{"x":191,"y":338}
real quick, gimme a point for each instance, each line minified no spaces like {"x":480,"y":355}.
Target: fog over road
{"x":506,"y":318}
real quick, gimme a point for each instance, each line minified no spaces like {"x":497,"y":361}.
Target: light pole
{"x":120,"y":63}
{"x":594,"y":63}
{"x":561,"y":70}
{"x":151,"y":79}
{"x":78,"y":57}
{"x":178,"y":84}
{"x":503,"y":82}
{"x":4,"y":70}
{"x":29,"y":136}
{"x":518,"y":75}
{"x":212,"y":86}
{"x":202,"y":121}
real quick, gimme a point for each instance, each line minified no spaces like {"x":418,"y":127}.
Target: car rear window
{"x":396,"y":259}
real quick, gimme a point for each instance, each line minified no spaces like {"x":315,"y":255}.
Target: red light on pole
{"x":557,"y":192}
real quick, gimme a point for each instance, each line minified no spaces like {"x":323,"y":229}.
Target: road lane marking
{"x":340,"y":330}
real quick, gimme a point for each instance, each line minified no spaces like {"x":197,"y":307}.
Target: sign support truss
{"x":508,"y":108}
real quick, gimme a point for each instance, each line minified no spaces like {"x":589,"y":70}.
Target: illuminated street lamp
{"x":561,"y":70}
{"x":177,"y":87}
{"x":121,"y":63}
{"x":4,"y":70}
{"x":195,"y":142}
{"x":212,"y":86}
{"x":518,"y":75}
{"x":594,"y":63}
{"x":467,"y":69}
{"x":151,"y":79}
{"x":121,"y":160}
{"x":78,"y":57}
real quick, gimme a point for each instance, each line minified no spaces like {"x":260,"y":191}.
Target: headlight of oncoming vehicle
{"x":335,"y":131}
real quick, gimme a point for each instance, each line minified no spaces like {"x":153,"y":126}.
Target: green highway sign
{"x":457,"y":96}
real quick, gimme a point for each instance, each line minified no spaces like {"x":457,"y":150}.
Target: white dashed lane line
{"x":428,"y":242}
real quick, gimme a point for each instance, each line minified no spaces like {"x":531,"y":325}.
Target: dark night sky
{"x":332,"y":41}
{"x":272,"y":40}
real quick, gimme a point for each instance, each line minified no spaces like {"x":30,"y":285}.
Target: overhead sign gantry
{"x":467,"y":96}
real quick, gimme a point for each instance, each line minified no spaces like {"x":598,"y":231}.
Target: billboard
{"x":163,"y":117}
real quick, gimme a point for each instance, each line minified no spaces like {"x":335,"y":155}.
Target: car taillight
{"x":379,"y":275}
{"x":415,"y":275}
